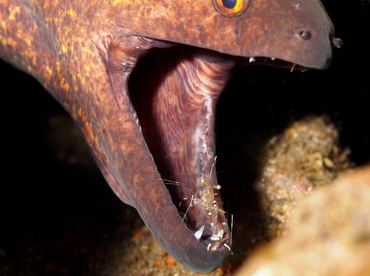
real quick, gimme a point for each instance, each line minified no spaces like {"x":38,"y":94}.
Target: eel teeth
{"x":199,"y":233}
{"x":293,"y":66}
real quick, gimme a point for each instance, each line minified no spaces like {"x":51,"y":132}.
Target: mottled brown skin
{"x":83,"y":52}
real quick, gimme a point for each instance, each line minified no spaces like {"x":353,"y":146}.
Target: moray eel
{"x":141,"y":79}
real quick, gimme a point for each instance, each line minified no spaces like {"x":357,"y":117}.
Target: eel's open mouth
{"x":174,"y":92}
{"x":161,"y":122}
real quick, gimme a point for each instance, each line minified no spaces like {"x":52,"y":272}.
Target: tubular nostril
{"x":337,"y":42}
{"x":304,"y":34}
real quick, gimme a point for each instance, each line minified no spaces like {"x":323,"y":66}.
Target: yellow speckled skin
{"x":84,"y":51}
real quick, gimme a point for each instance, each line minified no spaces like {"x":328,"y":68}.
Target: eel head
{"x":173,"y":92}
{"x":142,"y":78}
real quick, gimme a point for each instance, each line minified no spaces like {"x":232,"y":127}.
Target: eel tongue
{"x":177,"y":119}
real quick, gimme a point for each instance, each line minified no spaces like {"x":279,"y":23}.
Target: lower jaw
{"x":174,"y":92}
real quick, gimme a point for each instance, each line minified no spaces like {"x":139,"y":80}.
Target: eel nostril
{"x":304,"y":34}
{"x":337,"y":42}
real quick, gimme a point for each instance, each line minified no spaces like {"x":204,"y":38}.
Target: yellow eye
{"x":231,"y":8}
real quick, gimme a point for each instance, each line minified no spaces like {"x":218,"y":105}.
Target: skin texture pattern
{"x":142,"y":78}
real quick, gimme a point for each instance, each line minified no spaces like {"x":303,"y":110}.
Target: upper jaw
{"x":296,"y":31}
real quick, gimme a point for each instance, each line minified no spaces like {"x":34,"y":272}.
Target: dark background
{"x":56,"y":212}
